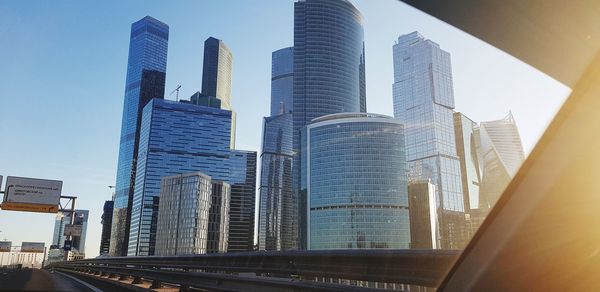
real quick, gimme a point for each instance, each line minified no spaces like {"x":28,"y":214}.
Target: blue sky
{"x":62,"y":78}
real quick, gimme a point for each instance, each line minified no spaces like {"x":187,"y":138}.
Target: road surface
{"x":42,"y":280}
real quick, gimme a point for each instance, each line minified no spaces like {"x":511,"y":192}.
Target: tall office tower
{"x":146,"y":69}
{"x":176,"y":138}
{"x":424,"y":102}
{"x":469,"y":168}
{"x":328,"y":75}
{"x":242,"y":178}
{"x":424,"y":231}
{"x":106,"y":222}
{"x":357,"y":187}
{"x":500,"y":155}
{"x":182,"y":226}
{"x":276,"y":206}
{"x":216,"y":76}
{"x":64,"y":218}
{"x":282,"y":81}
{"x":218,"y":218}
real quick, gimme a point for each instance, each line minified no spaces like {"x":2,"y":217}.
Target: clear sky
{"x":62,"y":79}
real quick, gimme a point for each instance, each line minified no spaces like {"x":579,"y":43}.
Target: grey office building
{"x":329,"y":75}
{"x":183,"y":216}
{"x":424,"y":102}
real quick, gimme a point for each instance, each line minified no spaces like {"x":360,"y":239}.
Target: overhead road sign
{"x":34,"y":247}
{"x":73,"y":229}
{"x":32,"y":194}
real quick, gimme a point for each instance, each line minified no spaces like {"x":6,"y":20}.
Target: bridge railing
{"x":256,"y":270}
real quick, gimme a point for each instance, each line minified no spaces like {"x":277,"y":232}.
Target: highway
{"x":42,"y":280}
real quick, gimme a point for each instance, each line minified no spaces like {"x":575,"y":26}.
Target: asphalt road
{"x":42,"y":280}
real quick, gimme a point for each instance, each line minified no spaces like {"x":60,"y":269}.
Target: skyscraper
{"x":276,"y":205}
{"x":500,"y":155}
{"x":282,"y":81}
{"x":328,"y":75}
{"x":106,"y":222}
{"x":357,"y":187}
{"x":276,"y":217}
{"x":183,"y":214}
{"x":216,"y":76}
{"x":424,"y":102}
{"x":146,"y":67}
{"x":176,"y":138}
{"x":469,"y":162}
{"x":216,"y":73}
{"x":242,"y":179}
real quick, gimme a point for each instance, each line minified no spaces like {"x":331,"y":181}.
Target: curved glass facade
{"x":356,"y":183}
{"x":146,"y":69}
{"x":275,"y":218}
{"x":282,"y":81}
{"x":328,"y":72}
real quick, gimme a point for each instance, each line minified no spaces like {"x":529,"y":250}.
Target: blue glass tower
{"x":146,"y":69}
{"x":175,"y":138}
{"x":276,"y":208}
{"x":328,"y":74}
{"x":424,"y":103}
{"x":357,"y":192}
{"x":276,"y":217}
{"x":242,"y":179}
{"x":282,"y":81}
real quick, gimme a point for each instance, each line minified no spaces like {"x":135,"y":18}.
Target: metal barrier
{"x":277,"y":270}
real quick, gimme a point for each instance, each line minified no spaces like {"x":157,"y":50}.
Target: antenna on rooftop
{"x":176,"y":91}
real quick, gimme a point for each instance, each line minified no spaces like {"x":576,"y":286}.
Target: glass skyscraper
{"x":328,"y":75}
{"x":282,"y":81}
{"x":242,"y":179}
{"x":146,"y":67}
{"x":176,"y":137}
{"x":216,"y":76}
{"x":466,"y":147}
{"x":500,"y":154}
{"x":276,"y":207}
{"x":424,"y":103}
{"x":357,"y":186}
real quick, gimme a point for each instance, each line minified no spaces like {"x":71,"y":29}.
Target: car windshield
{"x":147,"y":129}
